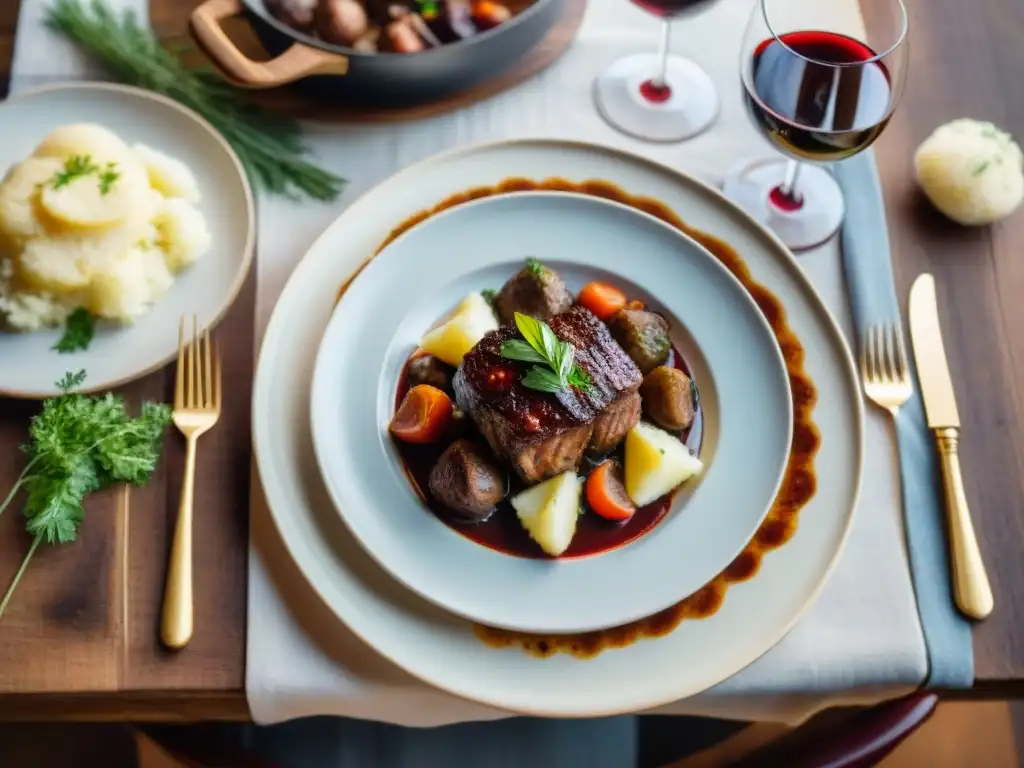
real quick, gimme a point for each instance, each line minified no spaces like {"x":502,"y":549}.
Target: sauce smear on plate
{"x":798,"y":485}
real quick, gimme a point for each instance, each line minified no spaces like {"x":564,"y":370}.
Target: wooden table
{"x":91,"y":653}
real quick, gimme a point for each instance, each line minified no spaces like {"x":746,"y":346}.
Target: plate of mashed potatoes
{"x":120,"y":211}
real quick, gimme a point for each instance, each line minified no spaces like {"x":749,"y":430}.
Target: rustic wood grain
{"x":84,"y":620}
{"x":966,"y":60}
{"x":71,"y":630}
{"x":8,"y":20}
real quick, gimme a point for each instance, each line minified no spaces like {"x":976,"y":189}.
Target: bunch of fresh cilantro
{"x":80,"y":444}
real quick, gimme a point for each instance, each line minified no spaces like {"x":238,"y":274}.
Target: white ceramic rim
{"x":444,"y":567}
{"x":250,"y":237}
{"x":312,"y":571}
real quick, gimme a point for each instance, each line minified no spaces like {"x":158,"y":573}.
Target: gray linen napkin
{"x":869,"y":278}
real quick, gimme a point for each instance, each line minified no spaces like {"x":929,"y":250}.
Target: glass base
{"x":630,"y":100}
{"x":801,"y":223}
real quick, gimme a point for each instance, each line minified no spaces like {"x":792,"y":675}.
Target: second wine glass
{"x":658,"y":97}
{"x":820,"y":94}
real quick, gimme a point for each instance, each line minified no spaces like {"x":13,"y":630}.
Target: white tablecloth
{"x":862,"y":640}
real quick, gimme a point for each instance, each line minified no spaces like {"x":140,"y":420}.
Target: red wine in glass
{"x":670,"y":9}
{"x":820,"y":94}
{"x":659,"y":97}
{"x":812,"y":108}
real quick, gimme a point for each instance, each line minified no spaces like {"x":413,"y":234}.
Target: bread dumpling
{"x":183,"y":235}
{"x":971,"y":171}
{"x":82,"y":139}
{"x":167,"y":175}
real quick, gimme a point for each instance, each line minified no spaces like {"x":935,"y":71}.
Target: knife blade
{"x":930,"y":355}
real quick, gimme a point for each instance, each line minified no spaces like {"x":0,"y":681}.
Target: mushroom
{"x":467,"y":480}
{"x":668,"y":398}
{"x":427,"y":369}
{"x":340,"y":22}
{"x":644,"y":336}
{"x":297,"y":14}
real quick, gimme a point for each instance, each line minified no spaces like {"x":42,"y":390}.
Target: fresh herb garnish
{"x":80,"y":444}
{"x":555,"y":368}
{"x":108,"y":176}
{"x":981,"y":168}
{"x":270,"y":147}
{"x":490,"y":296}
{"x":75,"y":167}
{"x":78,"y":332}
{"x":535,"y":267}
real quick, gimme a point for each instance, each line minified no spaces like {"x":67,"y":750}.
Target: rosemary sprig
{"x":270,"y":147}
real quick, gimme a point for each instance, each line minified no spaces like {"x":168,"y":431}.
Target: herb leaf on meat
{"x":556,"y":369}
{"x":517,"y":349}
{"x":535,"y":267}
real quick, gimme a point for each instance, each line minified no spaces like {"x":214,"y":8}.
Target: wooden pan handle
{"x":299,"y":61}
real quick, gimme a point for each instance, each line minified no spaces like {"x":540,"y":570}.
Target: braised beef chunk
{"x":644,"y":336}
{"x":536,"y":291}
{"x":540,"y":433}
{"x":467,"y":480}
{"x":427,"y":369}
{"x":615,"y":421}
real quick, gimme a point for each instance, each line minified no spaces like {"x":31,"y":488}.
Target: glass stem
{"x":660,"y":78}
{"x":789,"y":189}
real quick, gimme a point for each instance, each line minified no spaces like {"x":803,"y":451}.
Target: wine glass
{"x":820,"y":94}
{"x":658,"y":97}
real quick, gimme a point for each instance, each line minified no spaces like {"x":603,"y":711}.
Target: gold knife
{"x":970,"y":582}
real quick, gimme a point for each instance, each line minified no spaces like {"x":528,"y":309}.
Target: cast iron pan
{"x":364,"y":79}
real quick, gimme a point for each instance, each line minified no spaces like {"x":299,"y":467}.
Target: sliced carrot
{"x":602,"y":299}
{"x":606,"y":492}
{"x":423,"y":416}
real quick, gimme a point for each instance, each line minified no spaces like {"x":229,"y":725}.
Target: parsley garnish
{"x":108,"y":176}
{"x":75,"y":167}
{"x":78,"y":332}
{"x":490,"y":296}
{"x":981,"y":168}
{"x":80,"y":166}
{"x":79,"y":444}
{"x":556,"y":368}
{"x":535,"y":267}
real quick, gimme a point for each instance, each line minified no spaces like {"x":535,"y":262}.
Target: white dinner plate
{"x":120,"y":353}
{"x":441,"y":648}
{"x":735,"y":359}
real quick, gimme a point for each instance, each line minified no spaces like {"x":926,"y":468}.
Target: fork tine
{"x":890,"y":352}
{"x":901,"y":354}
{"x":216,"y":380}
{"x":207,"y":401}
{"x":885,"y":340}
{"x":865,"y":357}
{"x":873,"y":356}
{"x":179,"y":379}
{"x":196,"y":371}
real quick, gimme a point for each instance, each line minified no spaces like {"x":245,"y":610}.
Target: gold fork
{"x":883,"y":367}
{"x":197,"y":398}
